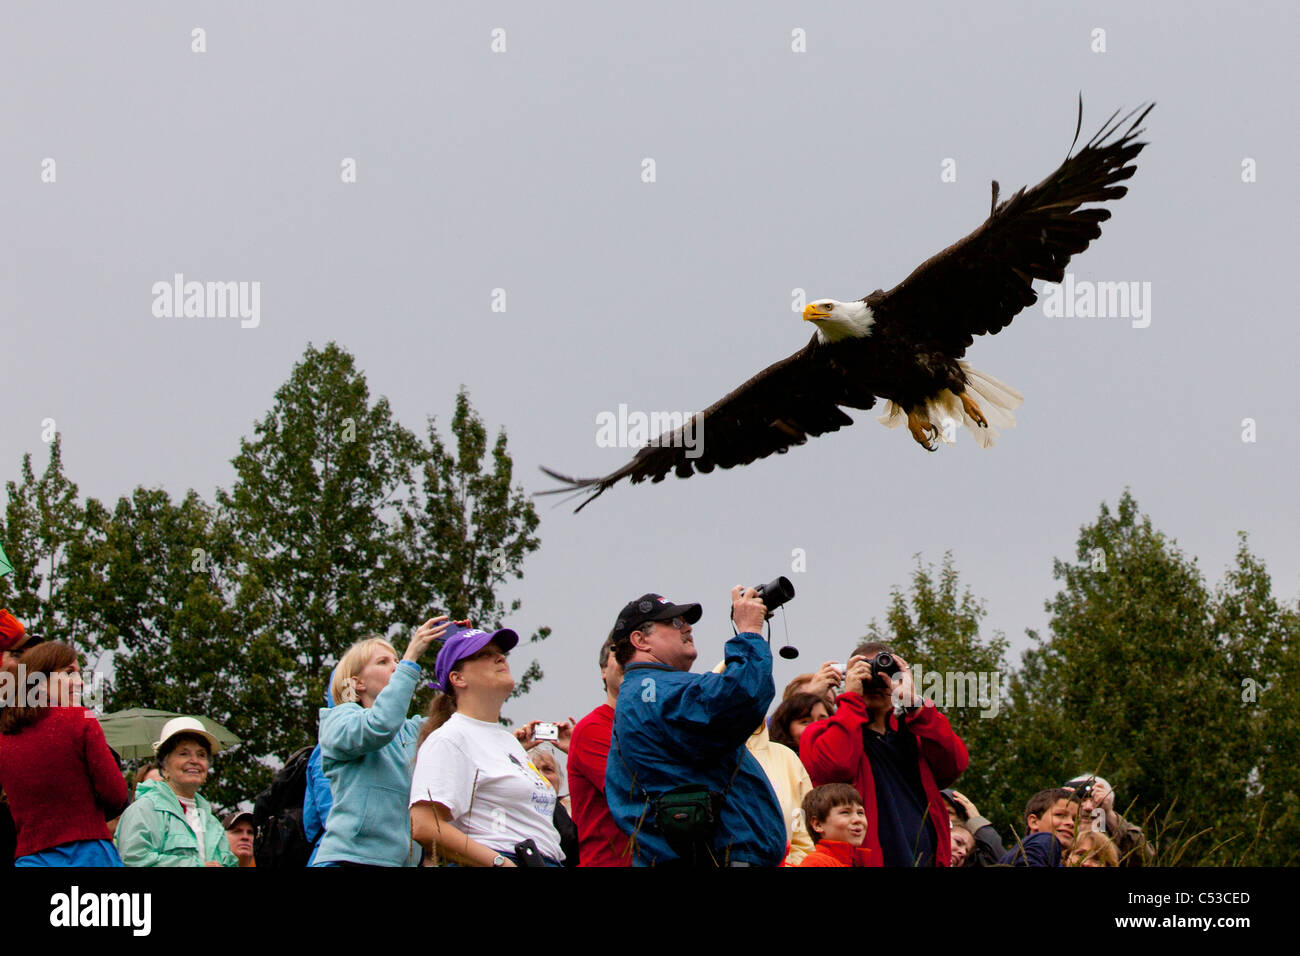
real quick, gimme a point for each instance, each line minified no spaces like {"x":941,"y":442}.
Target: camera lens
{"x":775,"y":593}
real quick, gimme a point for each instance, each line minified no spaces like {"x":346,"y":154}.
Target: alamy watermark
{"x":1085,"y":299}
{"x":635,"y":429}
{"x":19,"y":688}
{"x":75,"y":908}
{"x":208,"y":300}
{"x":949,"y":689}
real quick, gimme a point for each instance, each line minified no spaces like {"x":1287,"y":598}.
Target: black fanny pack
{"x":688,"y":819}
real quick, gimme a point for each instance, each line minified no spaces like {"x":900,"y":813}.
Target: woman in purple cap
{"x":475,"y":795}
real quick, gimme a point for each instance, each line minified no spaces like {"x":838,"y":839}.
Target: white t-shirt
{"x":482,"y":774}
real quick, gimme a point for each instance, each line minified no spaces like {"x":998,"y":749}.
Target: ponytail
{"x":440,"y":710}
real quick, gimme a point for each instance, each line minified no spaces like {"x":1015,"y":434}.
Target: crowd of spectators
{"x":674,"y":768}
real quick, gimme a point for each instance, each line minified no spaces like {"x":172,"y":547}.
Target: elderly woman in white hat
{"x":170,"y":824}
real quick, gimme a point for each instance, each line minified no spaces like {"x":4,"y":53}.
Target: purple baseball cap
{"x":462,"y":642}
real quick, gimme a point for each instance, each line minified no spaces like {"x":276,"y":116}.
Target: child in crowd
{"x":838,"y":823}
{"x":988,"y":848}
{"x":963,"y":844}
{"x":1050,"y":817}
{"x":793,"y":717}
{"x":1093,"y":848}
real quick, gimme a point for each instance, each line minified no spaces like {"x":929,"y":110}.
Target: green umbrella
{"x":132,"y":732}
{"x":5,"y":566}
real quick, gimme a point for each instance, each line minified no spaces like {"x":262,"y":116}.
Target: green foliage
{"x":158,"y":586}
{"x":1187,"y":701}
{"x":1148,"y":686}
{"x":43,"y":524}
{"x":1262,"y":642}
{"x":340,"y":523}
{"x":316,"y":493}
{"x":468,"y":534}
{"x":1141,"y":681}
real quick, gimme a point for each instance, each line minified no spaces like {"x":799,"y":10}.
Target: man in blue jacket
{"x":679,"y":780}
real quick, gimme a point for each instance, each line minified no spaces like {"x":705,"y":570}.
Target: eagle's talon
{"x":924,"y":432}
{"x":973,"y":410}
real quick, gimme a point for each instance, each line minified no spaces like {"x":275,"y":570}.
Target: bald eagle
{"x":906,"y":345}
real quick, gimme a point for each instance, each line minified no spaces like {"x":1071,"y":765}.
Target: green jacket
{"x":153,"y":831}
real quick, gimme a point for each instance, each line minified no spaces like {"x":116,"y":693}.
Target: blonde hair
{"x":1098,"y":846}
{"x":343,"y":686}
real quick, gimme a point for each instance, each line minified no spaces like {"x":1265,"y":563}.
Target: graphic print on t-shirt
{"x":543,"y":796}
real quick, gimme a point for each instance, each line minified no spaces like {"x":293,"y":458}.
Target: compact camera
{"x":544,"y":730}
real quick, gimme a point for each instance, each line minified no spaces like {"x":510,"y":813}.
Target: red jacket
{"x":837,"y":853}
{"x":832,"y":751}
{"x":61,"y":780}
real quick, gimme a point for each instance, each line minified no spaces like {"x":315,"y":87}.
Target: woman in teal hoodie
{"x":367,"y":750}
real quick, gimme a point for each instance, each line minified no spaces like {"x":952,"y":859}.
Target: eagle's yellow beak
{"x":811,"y":313}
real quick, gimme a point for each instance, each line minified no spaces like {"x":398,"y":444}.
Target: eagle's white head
{"x":837,"y":320}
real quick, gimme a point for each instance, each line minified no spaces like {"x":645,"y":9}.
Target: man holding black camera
{"x":898,"y":750}
{"x":1097,"y":812}
{"x":679,"y":780}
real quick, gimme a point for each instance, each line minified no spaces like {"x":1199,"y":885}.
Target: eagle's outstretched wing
{"x":781,"y":406}
{"x":978,"y":285}
{"x":974,"y":287}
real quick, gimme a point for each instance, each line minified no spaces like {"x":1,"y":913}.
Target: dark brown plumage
{"x":921,"y":327}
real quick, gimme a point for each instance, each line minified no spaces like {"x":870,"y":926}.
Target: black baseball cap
{"x":651,"y":607}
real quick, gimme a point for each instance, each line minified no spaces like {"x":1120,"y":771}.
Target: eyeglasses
{"x":678,"y":622}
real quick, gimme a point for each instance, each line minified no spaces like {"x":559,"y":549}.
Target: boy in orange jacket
{"x":838,"y":824}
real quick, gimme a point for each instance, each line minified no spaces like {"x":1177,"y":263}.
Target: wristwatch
{"x":498,"y":860}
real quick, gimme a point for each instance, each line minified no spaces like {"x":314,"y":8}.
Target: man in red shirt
{"x":600,"y":841}
{"x":896,"y":758}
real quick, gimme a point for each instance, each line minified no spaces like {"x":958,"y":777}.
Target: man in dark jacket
{"x":898,"y":758}
{"x":675,"y":730}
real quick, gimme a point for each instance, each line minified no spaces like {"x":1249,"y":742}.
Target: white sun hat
{"x":186,"y":725}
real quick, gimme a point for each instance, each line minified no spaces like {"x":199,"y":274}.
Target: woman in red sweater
{"x":55,"y":766}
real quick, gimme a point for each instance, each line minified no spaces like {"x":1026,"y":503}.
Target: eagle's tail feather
{"x":995,"y":398}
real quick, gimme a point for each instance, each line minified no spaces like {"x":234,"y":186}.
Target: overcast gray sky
{"x":775,"y":170}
